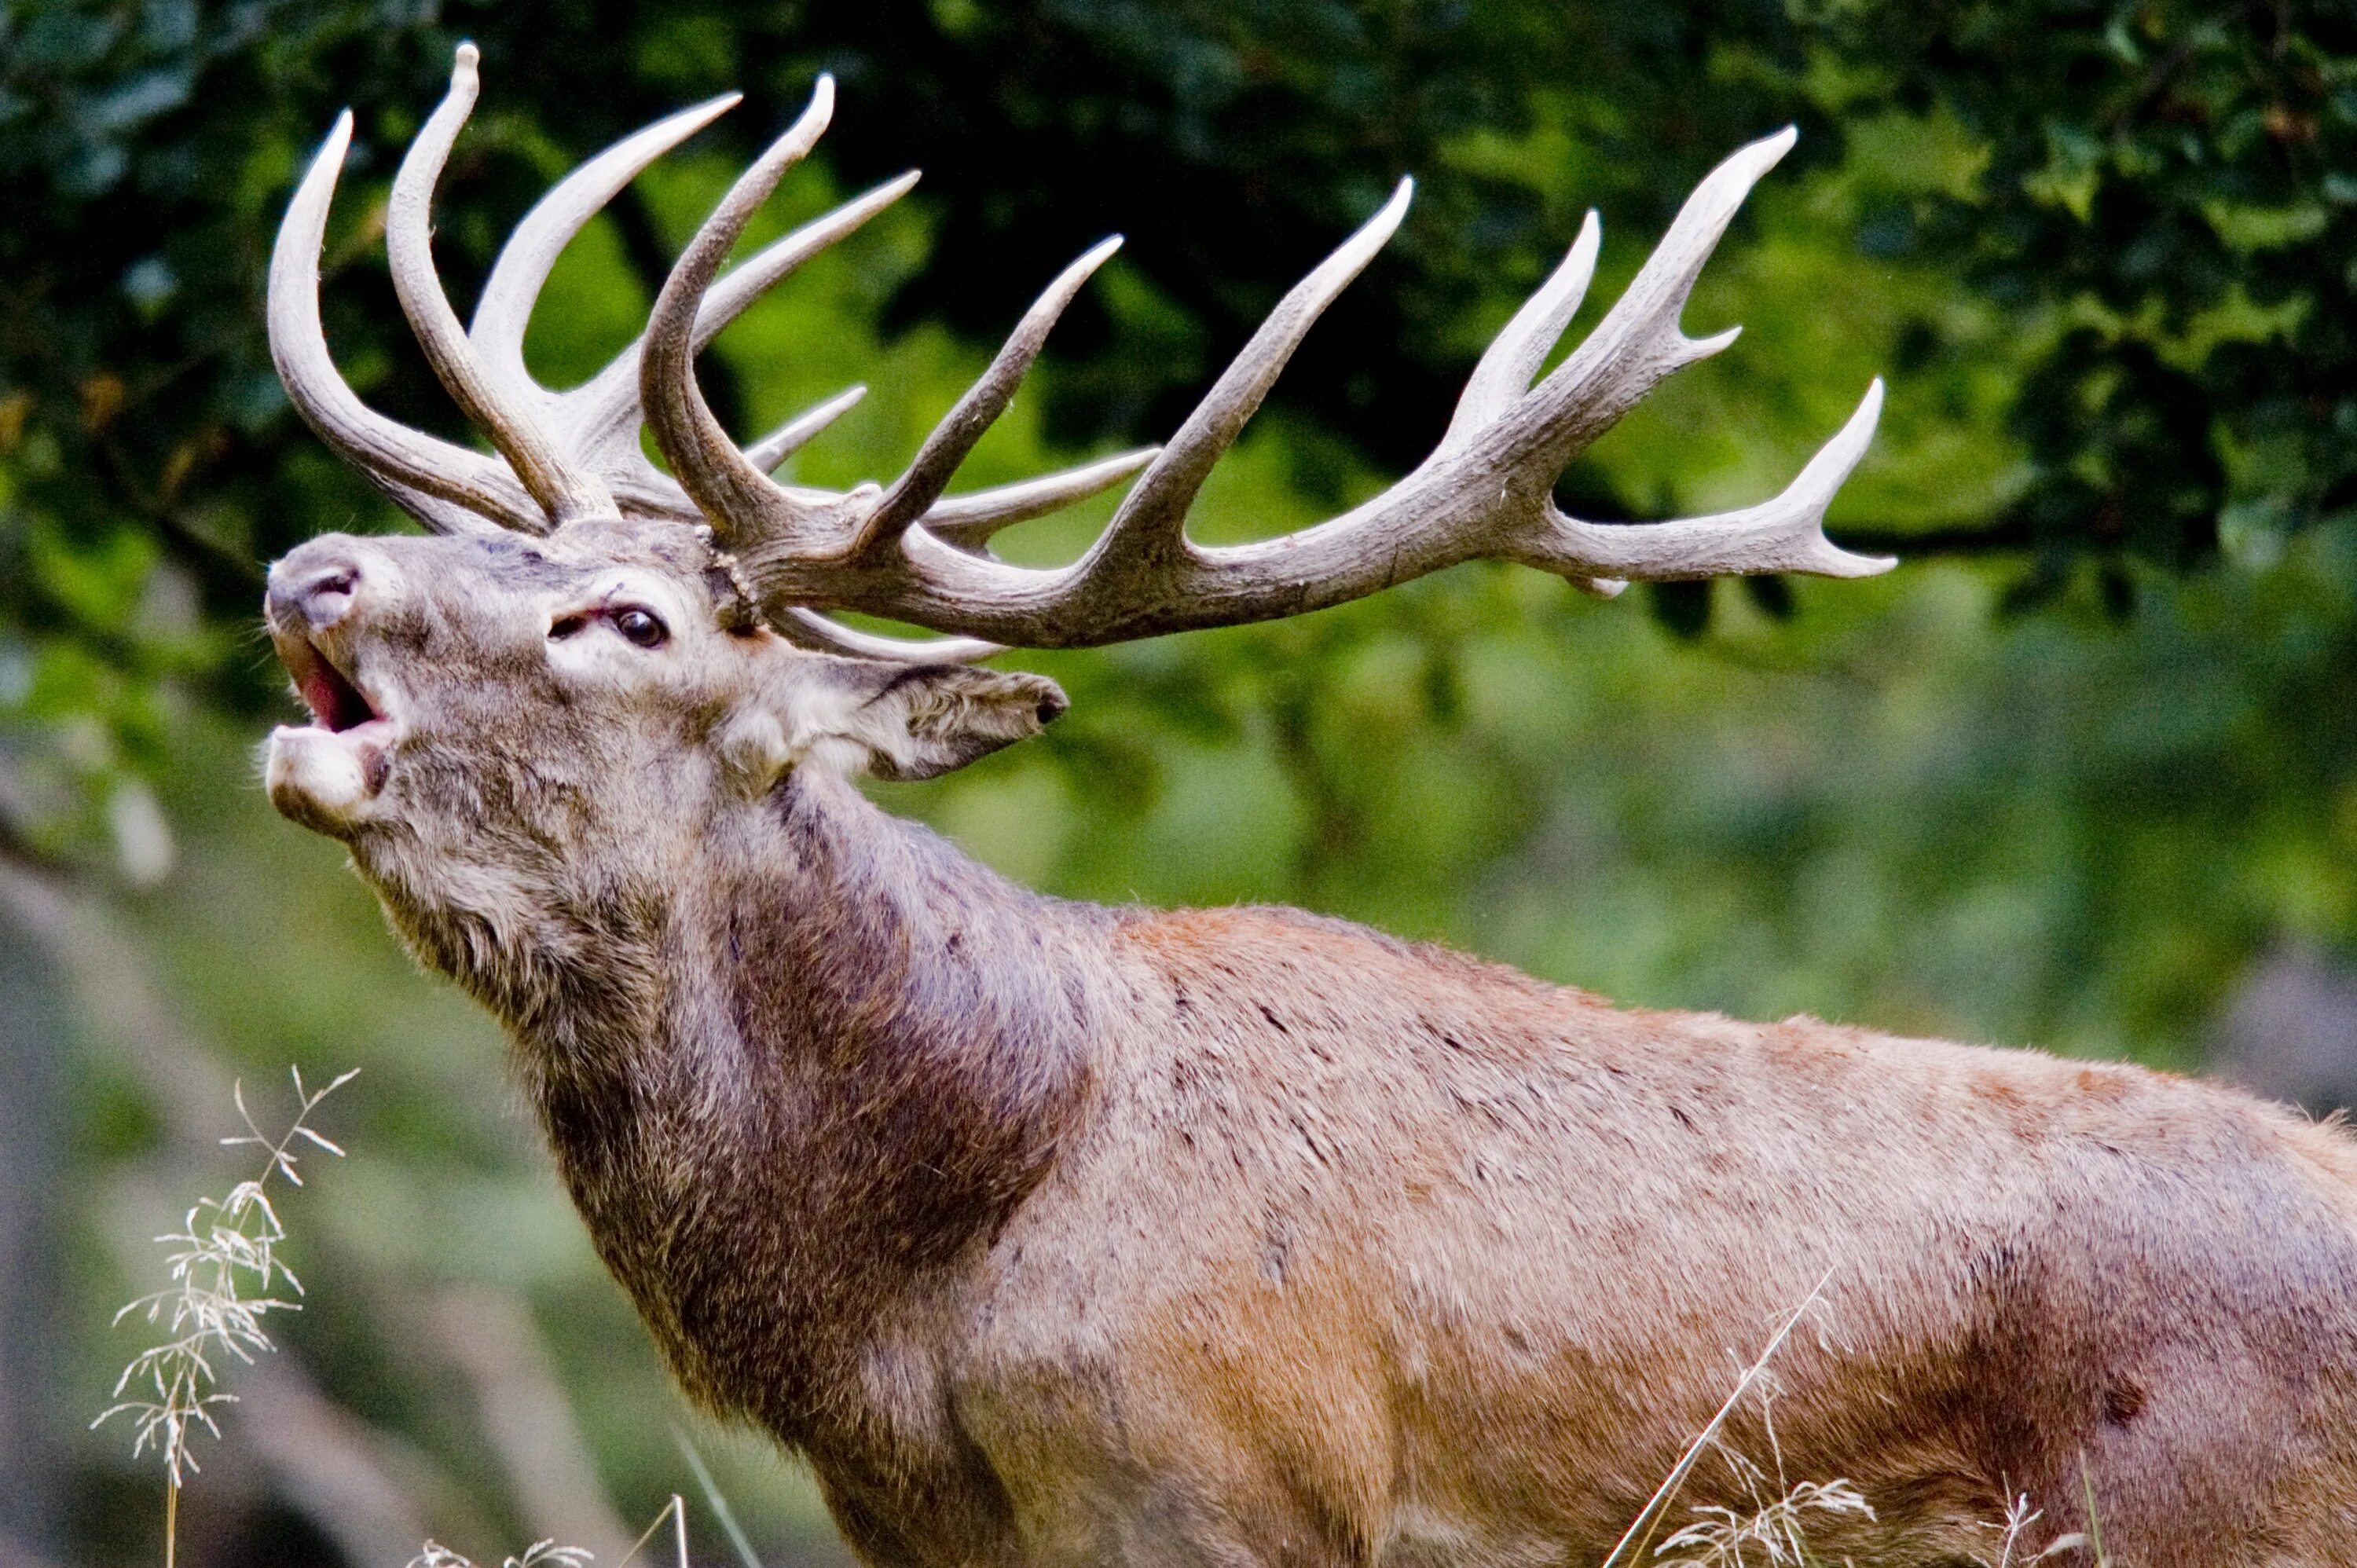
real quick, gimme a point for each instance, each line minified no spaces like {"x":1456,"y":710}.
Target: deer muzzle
{"x":325,"y":773}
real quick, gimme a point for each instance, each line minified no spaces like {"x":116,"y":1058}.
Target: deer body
{"x":1054,"y":1234}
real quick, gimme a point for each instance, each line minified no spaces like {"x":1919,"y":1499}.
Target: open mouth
{"x":327,"y":774}
{"x":336,"y":703}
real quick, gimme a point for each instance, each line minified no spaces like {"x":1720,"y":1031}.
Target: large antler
{"x":909,"y":552}
{"x":1485,"y":491}
{"x":571,"y":453}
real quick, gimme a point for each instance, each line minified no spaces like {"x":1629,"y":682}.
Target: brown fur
{"x":1056,"y":1234}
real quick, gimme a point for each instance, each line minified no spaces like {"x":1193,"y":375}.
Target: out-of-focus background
{"x":2082,"y":774}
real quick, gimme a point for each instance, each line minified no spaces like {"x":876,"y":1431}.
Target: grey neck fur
{"x":790,"y":1097}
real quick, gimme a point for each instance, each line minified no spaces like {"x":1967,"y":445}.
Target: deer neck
{"x":793,"y":1094}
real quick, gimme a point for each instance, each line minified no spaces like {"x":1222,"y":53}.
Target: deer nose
{"x":312,"y":594}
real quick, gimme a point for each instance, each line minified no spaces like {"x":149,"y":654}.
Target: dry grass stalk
{"x":224,"y":1266}
{"x":1639,"y":1534}
{"x":717,"y":1502}
{"x":539,"y":1554}
{"x":2019,"y":1517}
{"x":1772,"y":1534}
{"x":549,"y":1554}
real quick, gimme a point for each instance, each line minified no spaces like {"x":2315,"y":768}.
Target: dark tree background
{"x":2157,"y":168}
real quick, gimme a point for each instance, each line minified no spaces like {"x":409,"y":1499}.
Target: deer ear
{"x":920,"y":720}
{"x":895,"y":721}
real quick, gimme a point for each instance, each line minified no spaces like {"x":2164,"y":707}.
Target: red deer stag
{"x":1056,"y":1234}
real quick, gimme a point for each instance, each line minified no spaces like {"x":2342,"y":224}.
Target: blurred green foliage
{"x":2057,"y":780}
{"x":2157,"y":196}
{"x":2172,"y":188}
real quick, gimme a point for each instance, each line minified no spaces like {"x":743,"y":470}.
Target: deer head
{"x":586,"y":645}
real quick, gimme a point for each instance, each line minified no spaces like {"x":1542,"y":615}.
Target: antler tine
{"x":1785,"y":535}
{"x":929,"y":473}
{"x":799,"y":432}
{"x":1505,"y":370}
{"x":762,"y":271}
{"x":504,"y":311}
{"x":432,"y":512}
{"x":605,"y":409}
{"x":501,"y":411}
{"x":448,"y":488}
{"x":1151,"y":523}
{"x":1639,"y":342}
{"x":808,"y":628}
{"x":737,"y":497}
{"x":970,"y":520}
{"x":1515,"y":355}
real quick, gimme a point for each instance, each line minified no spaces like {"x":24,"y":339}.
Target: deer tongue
{"x":336,"y":703}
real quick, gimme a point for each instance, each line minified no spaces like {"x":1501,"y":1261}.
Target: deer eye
{"x":641,"y":627}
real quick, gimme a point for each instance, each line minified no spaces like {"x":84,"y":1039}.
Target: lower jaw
{"x":325,"y":779}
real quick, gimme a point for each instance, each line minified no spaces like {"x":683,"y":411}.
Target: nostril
{"x":317,"y":599}
{"x":320,"y":583}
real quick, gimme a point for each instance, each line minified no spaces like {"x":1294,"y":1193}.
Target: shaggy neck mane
{"x":826,"y":1067}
